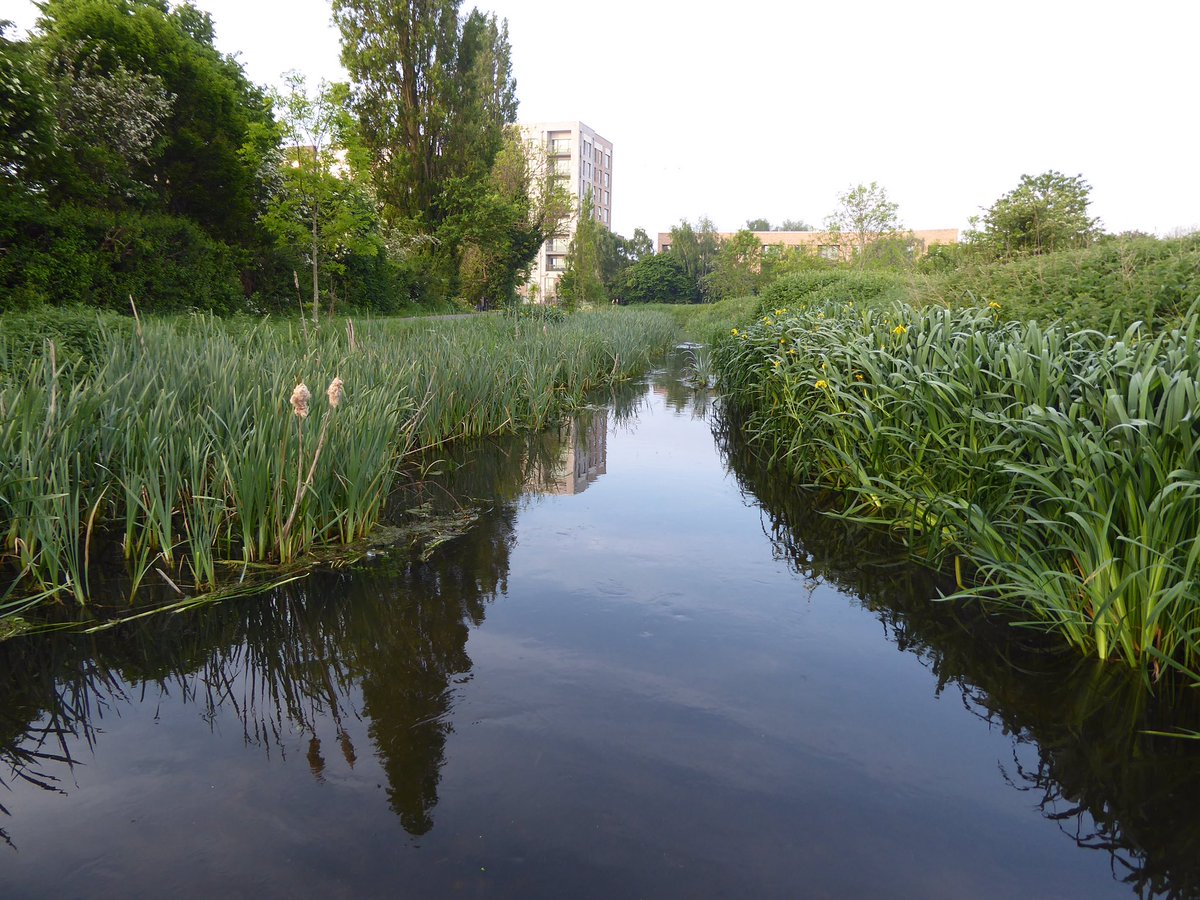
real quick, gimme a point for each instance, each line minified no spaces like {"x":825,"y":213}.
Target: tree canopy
{"x":864,"y":214}
{"x":1043,"y":213}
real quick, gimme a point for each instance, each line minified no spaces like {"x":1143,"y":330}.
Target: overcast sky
{"x":770,"y":108}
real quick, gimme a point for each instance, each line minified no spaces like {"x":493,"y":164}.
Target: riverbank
{"x":1053,"y":470}
{"x":187,"y":447}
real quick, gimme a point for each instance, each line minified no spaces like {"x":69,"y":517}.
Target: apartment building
{"x":829,"y":245}
{"x":582,"y":160}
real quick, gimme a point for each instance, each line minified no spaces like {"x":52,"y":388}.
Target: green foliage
{"x":814,"y":288}
{"x":737,"y":270}
{"x":582,"y":281}
{"x":1042,"y":214}
{"x":176,"y":447}
{"x":1060,"y":464}
{"x":100,"y":258}
{"x":794,"y":225}
{"x":865,"y":215}
{"x":660,"y":278}
{"x":758,"y":225}
{"x":696,"y":248}
{"x":318,"y":206}
{"x":1111,"y":284}
{"x":196,"y":167}
{"x":27,"y":137}
{"x":80,"y":336}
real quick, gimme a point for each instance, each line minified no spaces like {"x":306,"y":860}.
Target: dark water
{"x":649,"y":670}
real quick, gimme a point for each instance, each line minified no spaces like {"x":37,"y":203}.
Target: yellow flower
{"x":734,"y":332}
{"x":822,"y":384}
{"x":899,"y":329}
{"x":993,"y":305}
{"x":792,"y":351}
{"x":822,"y":367}
{"x":777,"y":364}
{"x":858,"y":377}
{"x":782,"y":341}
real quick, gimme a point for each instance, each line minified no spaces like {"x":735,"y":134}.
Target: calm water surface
{"x":647,"y":670}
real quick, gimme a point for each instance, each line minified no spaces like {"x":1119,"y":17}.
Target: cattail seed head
{"x":300,"y":397}
{"x":335,"y":392}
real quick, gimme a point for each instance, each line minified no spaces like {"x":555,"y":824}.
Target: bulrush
{"x":334,"y":393}
{"x":300,"y":397}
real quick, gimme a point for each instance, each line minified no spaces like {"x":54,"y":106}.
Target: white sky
{"x":772,"y":108}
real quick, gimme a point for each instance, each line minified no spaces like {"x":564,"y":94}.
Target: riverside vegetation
{"x":1052,"y":466}
{"x":172,"y":446}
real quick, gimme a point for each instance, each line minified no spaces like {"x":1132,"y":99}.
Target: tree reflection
{"x":386,"y":642}
{"x":1080,"y":729}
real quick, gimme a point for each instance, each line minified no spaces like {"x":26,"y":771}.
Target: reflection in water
{"x":1108,"y":783}
{"x":387,"y":644}
{"x":584,"y":455}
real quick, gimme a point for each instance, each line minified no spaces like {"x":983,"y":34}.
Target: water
{"x":649,"y":669}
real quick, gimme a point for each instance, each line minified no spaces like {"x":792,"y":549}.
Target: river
{"x":647,"y":668}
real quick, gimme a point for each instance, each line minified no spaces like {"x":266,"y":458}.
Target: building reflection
{"x":584,"y":455}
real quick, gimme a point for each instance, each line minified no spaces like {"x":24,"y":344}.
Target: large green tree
{"x":501,"y":228}
{"x":1042,"y":214}
{"x":433,"y":95}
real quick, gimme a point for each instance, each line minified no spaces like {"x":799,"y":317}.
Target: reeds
{"x":178,"y":449}
{"x":1063,"y":468}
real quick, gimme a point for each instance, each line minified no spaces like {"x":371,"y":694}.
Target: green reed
{"x":176,"y":450}
{"x":1062,"y":467}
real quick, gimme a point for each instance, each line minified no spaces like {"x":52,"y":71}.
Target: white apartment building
{"x":582,"y":159}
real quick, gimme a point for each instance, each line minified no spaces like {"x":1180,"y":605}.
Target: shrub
{"x":1107,"y":286}
{"x":806,"y":288}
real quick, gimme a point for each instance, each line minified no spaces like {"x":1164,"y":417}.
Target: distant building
{"x":582,"y":159}
{"x":831,"y":245}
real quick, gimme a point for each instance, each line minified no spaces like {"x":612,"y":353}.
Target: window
{"x":606,"y":179}
{"x":607,"y":160}
{"x":599,"y":155}
{"x":556,"y":263}
{"x":562,"y":167}
{"x":606,"y":198}
{"x":829,"y":251}
{"x":558,"y":244}
{"x":560,"y":145}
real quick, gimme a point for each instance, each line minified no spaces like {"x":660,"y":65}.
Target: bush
{"x":1106,"y":286}
{"x":660,"y":278}
{"x":99,"y":258}
{"x":806,"y":288}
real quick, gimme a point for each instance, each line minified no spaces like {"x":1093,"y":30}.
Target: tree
{"x":659,"y":278}
{"x":501,"y":229}
{"x":318,"y":206}
{"x":432,"y":96}
{"x":794,"y":225}
{"x":758,"y":225}
{"x":696,"y":249}
{"x":194,"y":164}
{"x":582,"y":281}
{"x":737,"y":269}
{"x":1040,"y":215}
{"x":27,"y":127}
{"x":618,"y":253}
{"x":864,"y":214}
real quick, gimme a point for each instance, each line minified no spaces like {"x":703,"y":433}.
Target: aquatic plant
{"x":1058,"y":471}
{"x":187,"y":447}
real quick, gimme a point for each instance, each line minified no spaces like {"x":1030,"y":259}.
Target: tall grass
{"x":175,"y":448}
{"x":1062,"y":467}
